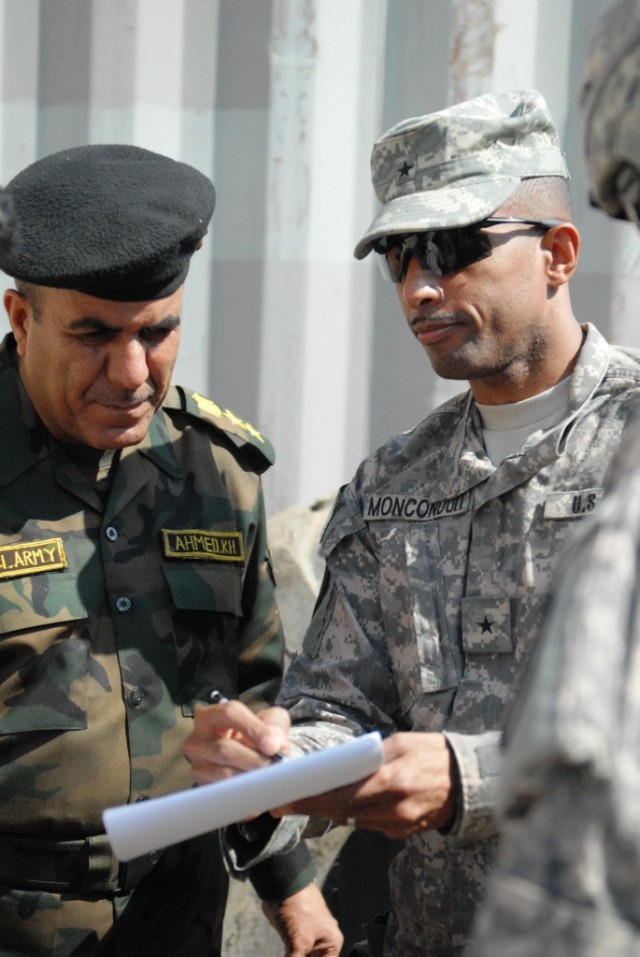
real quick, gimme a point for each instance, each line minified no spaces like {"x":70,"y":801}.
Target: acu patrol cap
{"x":114,"y":221}
{"x":610,"y":102}
{"x":456,"y":166}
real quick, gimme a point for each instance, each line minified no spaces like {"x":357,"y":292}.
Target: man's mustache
{"x":125,"y":398}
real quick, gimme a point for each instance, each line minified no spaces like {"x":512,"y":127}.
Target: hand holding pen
{"x":230,"y":738}
{"x":216,"y":697}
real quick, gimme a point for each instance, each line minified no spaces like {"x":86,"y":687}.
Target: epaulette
{"x":252,"y":445}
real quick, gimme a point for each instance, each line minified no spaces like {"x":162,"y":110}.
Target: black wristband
{"x":282,"y":875}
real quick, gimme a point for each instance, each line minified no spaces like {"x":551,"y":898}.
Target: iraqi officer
{"x":134,"y":569}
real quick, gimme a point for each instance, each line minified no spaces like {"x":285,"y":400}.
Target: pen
{"x":216,"y":697}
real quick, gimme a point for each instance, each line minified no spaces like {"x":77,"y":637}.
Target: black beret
{"x":113,"y":221}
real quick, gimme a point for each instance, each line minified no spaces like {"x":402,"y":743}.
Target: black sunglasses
{"x":443,"y":251}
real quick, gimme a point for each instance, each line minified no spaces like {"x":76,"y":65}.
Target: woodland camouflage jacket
{"x":115,"y":617}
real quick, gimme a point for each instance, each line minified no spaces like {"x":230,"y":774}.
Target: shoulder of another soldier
{"x":250,"y":446}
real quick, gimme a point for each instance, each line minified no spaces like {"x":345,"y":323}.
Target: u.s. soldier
{"x":442,"y":552}
{"x":134,"y":569}
{"x":567,"y":882}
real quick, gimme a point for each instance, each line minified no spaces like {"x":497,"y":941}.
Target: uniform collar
{"x":463,"y":463}
{"x":22,"y":430}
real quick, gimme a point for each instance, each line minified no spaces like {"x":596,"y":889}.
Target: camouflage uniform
{"x":115,"y":616}
{"x":567,"y":876}
{"x":439,"y":567}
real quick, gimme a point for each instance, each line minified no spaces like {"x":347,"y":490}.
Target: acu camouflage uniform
{"x":116,"y":614}
{"x":439,"y":568}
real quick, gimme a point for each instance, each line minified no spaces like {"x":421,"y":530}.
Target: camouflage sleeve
{"x":566,"y":880}
{"x":565,"y":884}
{"x":479,"y":767}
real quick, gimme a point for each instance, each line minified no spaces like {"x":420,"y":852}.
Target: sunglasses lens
{"x":441,"y":251}
{"x":458,"y":248}
{"x":389,"y":260}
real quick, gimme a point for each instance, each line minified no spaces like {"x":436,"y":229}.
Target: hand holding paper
{"x":136,"y":829}
{"x":414,"y":789}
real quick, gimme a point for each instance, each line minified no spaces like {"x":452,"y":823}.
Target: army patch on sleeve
{"x":195,"y":544}
{"x":32,"y":558}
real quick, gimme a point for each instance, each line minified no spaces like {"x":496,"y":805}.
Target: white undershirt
{"x":506,"y":427}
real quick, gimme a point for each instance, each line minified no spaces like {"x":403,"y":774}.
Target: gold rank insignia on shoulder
{"x":196,"y":544}
{"x":32,"y":558}
{"x":208,"y":405}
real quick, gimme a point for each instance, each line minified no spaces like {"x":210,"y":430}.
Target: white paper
{"x":146,"y":826}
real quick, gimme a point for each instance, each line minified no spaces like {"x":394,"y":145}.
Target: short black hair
{"x":540,"y":197}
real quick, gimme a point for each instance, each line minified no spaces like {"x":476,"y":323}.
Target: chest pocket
{"x":200,"y":586}
{"x":43,"y":654}
{"x":208,"y":616}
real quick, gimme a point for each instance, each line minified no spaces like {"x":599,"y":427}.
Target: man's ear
{"x":19,"y":312}
{"x":563,"y":245}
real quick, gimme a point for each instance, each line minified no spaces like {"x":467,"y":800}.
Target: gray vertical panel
{"x":286,"y":311}
{"x":239,"y":224}
{"x":200,"y":62}
{"x":362,"y":297}
{"x":20,"y":39}
{"x":21,"y":22}
{"x":65,"y":57}
{"x":113,"y":55}
{"x":473,"y":41}
{"x":417,"y":58}
{"x":198,"y":82}
{"x":243,"y":54}
{"x":591,"y":288}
